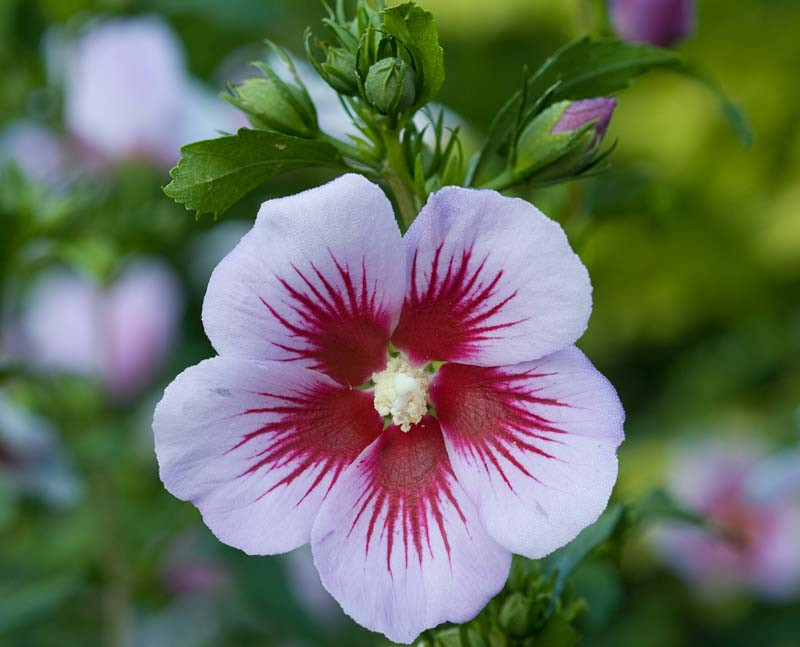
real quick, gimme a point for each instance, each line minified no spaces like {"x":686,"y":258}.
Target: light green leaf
{"x":416,"y":29}
{"x":214,"y":174}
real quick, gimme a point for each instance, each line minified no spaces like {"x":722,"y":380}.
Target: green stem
{"x":395,"y":172}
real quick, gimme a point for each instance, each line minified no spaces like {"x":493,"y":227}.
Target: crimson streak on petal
{"x":323,"y":430}
{"x":486,"y":414}
{"x":340,"y":325}
{"x":452,"y":315}
{"x":407,"y":481}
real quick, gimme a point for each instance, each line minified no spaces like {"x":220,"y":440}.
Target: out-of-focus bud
{"x":119,"y":335}
{"x":562,"y":140}
{"x":38,"y":152}
{"x":515,"y":615}
{"x":274,"y":104}
{"x":124,"y":89}
{"x":340,"y":70}
{"x":658,"y":22}
{"x":390,"y":85}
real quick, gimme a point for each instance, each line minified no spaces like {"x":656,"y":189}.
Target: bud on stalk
{"x":390,"y":85}
{"x":273,"y":104}
{"x":563,"y":139}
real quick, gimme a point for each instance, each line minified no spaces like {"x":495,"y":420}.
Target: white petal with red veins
{"x":318,"y":280}
{"x":256,"y":446}
{"x":533,"y":444}
{"x":492,"y":281}
{"x":398,"y":543}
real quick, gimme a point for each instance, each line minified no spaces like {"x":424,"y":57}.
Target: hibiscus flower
{"x":411,"y":406}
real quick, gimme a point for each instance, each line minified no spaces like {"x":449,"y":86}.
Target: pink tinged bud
{"x":657,"y":22}
{"x":580,"y":113}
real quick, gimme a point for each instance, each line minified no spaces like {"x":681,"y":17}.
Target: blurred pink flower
{"x":120,"y":334}
{"x":756,"y":544}
{"x":37,"y":151}
{"x":658,"y":22}
{"x":128,"y":93}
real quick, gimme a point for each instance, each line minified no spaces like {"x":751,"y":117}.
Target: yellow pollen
{"x":401,"y":392}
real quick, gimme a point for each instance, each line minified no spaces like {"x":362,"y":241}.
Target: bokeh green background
{"x":691,"y":239}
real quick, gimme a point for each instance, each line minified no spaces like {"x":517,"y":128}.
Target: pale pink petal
{"x":534,"y":444}
{"x":256,"y":446}
{"x":398,"y":543}
{"x":493,"y":281}
{"x":319,"y":280}
{"x":142,"y":310}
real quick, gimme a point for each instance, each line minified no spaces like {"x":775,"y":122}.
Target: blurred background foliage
{"x":692,"y":242}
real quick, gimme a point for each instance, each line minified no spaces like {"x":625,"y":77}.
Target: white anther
{"x":401,"y":392}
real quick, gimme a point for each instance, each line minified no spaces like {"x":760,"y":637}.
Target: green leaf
{"x":737,"y":119}
{"x":581,"y":69}
{"x":213,"y":174}
{"x":659,"y":505}
{"x":416,"y":29}
{"x":564,"y":560}
{"x":557,"y":633}
{"x":588,"y":68}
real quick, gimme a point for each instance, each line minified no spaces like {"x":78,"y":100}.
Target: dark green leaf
{"x":557,"y":633}
{"x":581,"y":69}
{"x":416,"y":29}
{"x":213,"y":174}
{"x":660,"y":505}
{"x":563,"y":561}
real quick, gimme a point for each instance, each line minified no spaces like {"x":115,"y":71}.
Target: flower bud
{"x":273,"y":104}
{"x":514,"y":615}
{"x":562,"y":140}
{"x":391,"y":85}
{"x":658,"y":22}
{"x":585,"y":111}
{"x":340,"y":71}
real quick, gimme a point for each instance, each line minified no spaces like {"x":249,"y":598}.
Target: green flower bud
{"x":562,"y":139}
{"x":514,"y":615}
{"x":273,"y":104}
{"x":340,"y":70}
{"x":391,"y":85}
